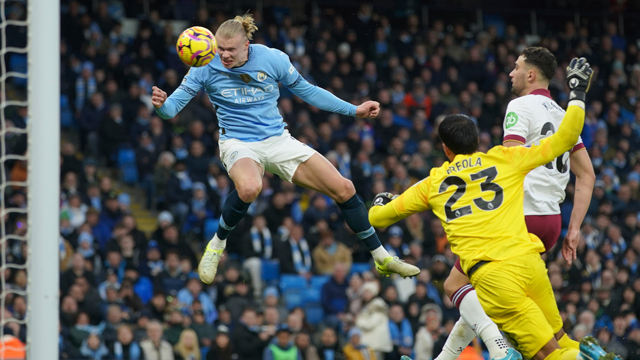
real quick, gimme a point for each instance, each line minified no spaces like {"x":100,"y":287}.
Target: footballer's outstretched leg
{"x":246,"y":174}
{"x":465,"y":298}
{"x":317,"y":173}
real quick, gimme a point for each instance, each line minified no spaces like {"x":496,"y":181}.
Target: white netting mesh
{"x":13,"y":157}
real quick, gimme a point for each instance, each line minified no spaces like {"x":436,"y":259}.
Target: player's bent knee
{"x":249,"y":190}
{"x":343,"y":191}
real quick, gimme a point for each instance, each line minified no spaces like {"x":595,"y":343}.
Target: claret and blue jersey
{"x":246,"y":97}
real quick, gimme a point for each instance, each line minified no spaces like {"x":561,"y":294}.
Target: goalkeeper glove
{"x":579,"y":74}
{"x":383,"y":199}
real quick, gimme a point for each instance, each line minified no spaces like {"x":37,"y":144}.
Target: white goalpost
{"x":43,"y":42}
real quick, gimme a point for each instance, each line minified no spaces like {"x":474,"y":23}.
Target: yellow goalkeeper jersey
{"x":479,"y":197}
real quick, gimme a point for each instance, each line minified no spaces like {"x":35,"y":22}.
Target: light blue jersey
{"x":246,"y":97}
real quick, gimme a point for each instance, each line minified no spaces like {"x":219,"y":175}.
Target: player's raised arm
{"x":578,"y":78}
{"x":168,"y":107}
{"x":388,"y":209}
{"x":316,"y":96}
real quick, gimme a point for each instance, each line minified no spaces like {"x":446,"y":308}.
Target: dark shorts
{"x":546,"y":227}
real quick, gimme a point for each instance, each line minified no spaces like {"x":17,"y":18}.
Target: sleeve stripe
{"x":188,"y":90}
{"x":578,"y":147}
{"x":516,"y":138}
{"x":298,"y":80}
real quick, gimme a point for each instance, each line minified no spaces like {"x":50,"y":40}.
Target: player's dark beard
{"x":516,"y":90}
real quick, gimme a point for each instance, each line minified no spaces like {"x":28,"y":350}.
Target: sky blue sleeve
{"x":288,"y":75}
{"x":191,"y":84}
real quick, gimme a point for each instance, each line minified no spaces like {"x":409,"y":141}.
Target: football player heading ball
{"x":242,"y":83}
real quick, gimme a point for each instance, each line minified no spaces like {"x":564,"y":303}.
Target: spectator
{"x":283,"y":348}
{"x":113,"y":134}
{"x":179,"y":192}
{"x":154,"y":347}
{"x":200,"y":209}
{"x":258,"y":246}
{"x":272,"y":317}
{"x":77,"y":270}
{"x":334,"y":296}
{"x":240,"y":299}
{"x":271,"y":299}
{"x":171,"y":242}
{"x":161,"y":176}
{"x":329,"y":347}
{"x":295,"y":257}
{"x":308,"y":351}
{"x":142,"y":285}
{"x":374,"y":312}
{"x":197,"y":162}
{"x":328,"y":253}
{"x":91,"y":118}
{"x":171,"y":279}
{"x":193,"y":292}
{"x":249,"y":341}
{"x":154,"y":264}
{"x":203,"y":330}
{"x":431,"y":317}
{"x":164,"y":220}
{"x":187,"y":347}
{"x":94,"y":348}
{"x":125,"y":348}
{"x":355,"y":350}
{"x":222,"y":348}
{"x":176,"y":324}
{"x":395,"y":246}
{"x":401,"y":333}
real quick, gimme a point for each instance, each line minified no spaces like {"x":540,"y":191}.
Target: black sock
{"x":233,"y":211}
{"x":357,"y":217}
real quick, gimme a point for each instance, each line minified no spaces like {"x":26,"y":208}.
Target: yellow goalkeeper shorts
{"x":517,"y":296}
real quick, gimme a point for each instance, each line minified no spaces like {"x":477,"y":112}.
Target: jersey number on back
{"x":561,"y":165}
{"x":487,"y":185}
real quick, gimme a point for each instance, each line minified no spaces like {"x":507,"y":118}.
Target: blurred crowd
{"x":127,"y":294}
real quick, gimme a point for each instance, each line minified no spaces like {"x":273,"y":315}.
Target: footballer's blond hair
{"x":240,"y":25}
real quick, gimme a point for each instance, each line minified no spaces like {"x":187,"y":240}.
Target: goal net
{"x":29,"y":173}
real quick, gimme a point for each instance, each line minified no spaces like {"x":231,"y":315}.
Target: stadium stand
{"x":131,"y":232}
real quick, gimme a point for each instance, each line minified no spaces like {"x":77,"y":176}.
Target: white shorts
{"x":279,"y":155}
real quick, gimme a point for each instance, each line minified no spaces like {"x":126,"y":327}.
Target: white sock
{"x":474,"y":315}
{"x":379,"y":254}
{"x":458,"y":340}
{"x":217,"y":244}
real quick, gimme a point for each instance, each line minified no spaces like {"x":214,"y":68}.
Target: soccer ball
{"x":196,"y":46}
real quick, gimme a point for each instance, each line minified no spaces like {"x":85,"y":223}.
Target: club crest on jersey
{"x":512,"y":119}
{"x":246,"y":78}
{"x":262,"y":76}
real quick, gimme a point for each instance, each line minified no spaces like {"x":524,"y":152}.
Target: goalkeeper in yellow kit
{"x":479,"y":199}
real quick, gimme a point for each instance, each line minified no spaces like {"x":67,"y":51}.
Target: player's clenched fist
{"x":579,"y":74}
{"x":158,"y":97}
{"x":368,"y":109}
